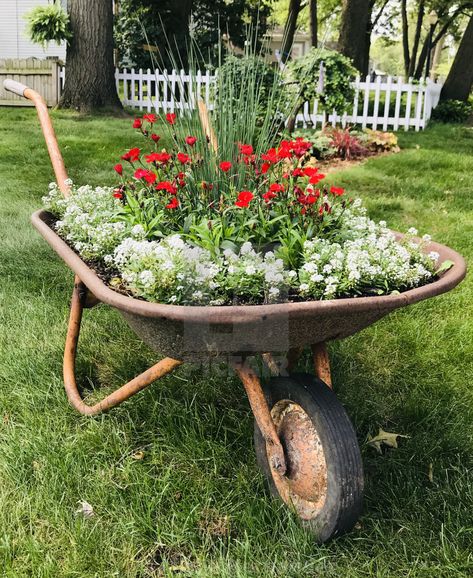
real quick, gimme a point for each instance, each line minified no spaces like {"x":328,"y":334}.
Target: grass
{"x":171,"y":474}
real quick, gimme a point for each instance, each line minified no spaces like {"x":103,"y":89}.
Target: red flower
{"x":337,"y":191}
{"x":158,"y":157}
{"x":131,"y":155}
{"x":207,"y":186}
{"x":117,"y":193}
{"x":149,"y":176}
{"x":244,"y":198}
{"x":300,"y":146}
{"x":155,"y":137}
{"x":173,"y":203}
{"x":137,"y":123}
{"x":265,"y":168}
{"x":276,"y":188}
{"x":284,"y":152}
{"x":171,"y":117}
{"x":119,"y":168}
{"x":225,"y":166}
{"x":268,"y":196}
{"x":310,"y":171}
{"x":271,"y":156}
{"x":150,"y":118}
{"x":297,"y":172}
{"x":191,"y":140}
{"x":316,"y":178}
{"x":166,"y":186}
{"x":246,"y":149}
{"x":183,"y":158}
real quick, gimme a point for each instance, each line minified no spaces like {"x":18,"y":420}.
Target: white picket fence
{"x":378,"y":104}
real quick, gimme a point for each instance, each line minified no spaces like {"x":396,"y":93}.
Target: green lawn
{"x":196,"y":504}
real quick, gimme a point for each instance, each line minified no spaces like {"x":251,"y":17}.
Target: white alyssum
{"x":168,"y":271}
{"x":87,"y":219}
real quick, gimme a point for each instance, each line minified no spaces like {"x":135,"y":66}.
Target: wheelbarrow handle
{"x":47,"y":128}
{"x":15,"y":87}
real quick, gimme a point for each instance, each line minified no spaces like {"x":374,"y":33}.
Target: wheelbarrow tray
{"x":189,"y":332}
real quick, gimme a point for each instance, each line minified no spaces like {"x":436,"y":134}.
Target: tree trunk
{"x":290,"y":29}
{"x":415,"y":46}
{"x":90,"y":73}
{"x":354,"y":28}
{"x":313,"y":23}
{"x":460,"y":78}
{"x":437,"y":56}
{"x":405,"y":37}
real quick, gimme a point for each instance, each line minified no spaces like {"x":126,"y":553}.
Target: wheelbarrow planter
{"x":304,"y":440}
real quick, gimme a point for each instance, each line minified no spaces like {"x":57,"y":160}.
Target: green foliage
{"x":456,"y":111}
{"x":338,"y":75}
{"x":147,"y":31}
{"x":250,"y":89}
{"x":380,"y":141}
{"x":48,"y":24}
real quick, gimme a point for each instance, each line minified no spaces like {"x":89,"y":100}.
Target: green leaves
{"x":444,"y":267}
{"x":48,"y":24}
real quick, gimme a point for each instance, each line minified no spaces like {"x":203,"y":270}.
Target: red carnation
{"x":166,"y":186}
{"x":158,"y":157}
{"x":137,"y":123}
{"x":183,"y":158}
{"x":131,"y":155}
{"x":297,"y":172}
{"x":265,"y":168}
{"x":316,"y":178}
{"x":149,"y":176}
{"x":244,"y":198}
{"x":245,"y":149}
{"x":191,"y":140}
{"x":337,"y":191}
{"x":155,"y":137}
{"x":171,"y":117}
{"x":276,"y":188}
{"x":119,"y":168}
{"x":225,"y":166}
{"x":173,"y":203}
{"x":150,"y":118}
{"x":117,"y":193}
{"x":268,"y":196}
{"x":271,"y":156}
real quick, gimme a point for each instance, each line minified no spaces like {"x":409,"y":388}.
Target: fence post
{"x":377,"y":94}
{"x":366,"y":102}
{"x":387,"y":103}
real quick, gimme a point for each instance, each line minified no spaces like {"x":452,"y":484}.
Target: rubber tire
{"x":343,"y":505}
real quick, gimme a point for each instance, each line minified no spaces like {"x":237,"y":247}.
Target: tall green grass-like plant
{"x":48,"y":24}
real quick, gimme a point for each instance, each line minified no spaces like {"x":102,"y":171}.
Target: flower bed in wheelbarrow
{"x":233,"y":253}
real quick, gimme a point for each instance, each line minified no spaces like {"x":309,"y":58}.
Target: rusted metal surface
{"x":196,"y":332}
{"x":263,"y":418}
{"x":322,"y":363}
{"x":304,"y":485}
{"x":161,"y":368}
{"x":48,"y":131}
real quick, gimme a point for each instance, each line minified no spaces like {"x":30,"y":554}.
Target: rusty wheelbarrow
{"x":305,"y":442}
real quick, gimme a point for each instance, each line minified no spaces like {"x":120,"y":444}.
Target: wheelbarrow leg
{"x":262,"y":415}
{"x":322,"y":363}
{"x":81,"y":299}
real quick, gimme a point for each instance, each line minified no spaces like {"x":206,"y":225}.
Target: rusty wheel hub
{"x":304,"y":486}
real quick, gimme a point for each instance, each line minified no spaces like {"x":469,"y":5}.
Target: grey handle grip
{"x":15,"y":87}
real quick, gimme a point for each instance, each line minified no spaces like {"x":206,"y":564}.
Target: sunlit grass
{"x":196,"y":504}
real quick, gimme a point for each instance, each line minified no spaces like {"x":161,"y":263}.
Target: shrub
{"x":346,"y":145}
{"x":379,"y":141}
{"x":456,"y":111}
{"x":48,"y":24}
{"x":339,"y":72}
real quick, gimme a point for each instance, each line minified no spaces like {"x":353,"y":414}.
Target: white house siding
{"x":14,"y":42}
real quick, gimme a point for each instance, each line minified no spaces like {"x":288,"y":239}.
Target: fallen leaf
{"x":431,"y":473}
{"x":387,"y":438}
{"x":85,"y":509}
{"x":138,"y":455}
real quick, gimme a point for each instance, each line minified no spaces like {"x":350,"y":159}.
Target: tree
{"x":90,"y":79}
{"x":313,"y":23}
{"x":295,"y":6}
{"x":158,"y":32}
{"x":460,"y":78}
{"x":356,"y":17}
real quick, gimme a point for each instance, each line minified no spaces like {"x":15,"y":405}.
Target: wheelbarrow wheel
{"x":323,"y":483}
